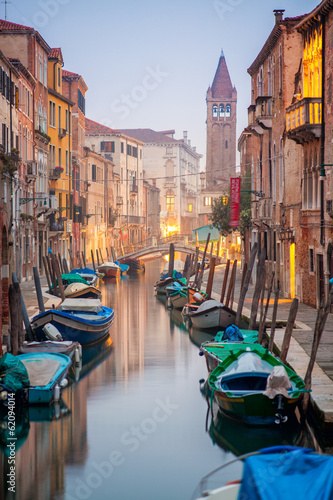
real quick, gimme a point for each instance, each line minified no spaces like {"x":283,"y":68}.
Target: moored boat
{"x":82,"y":290}
{"x":215,"y":351}
{"x":274,"y":473}
{"x":46,"y":374}
{"x":135,"y":264}
{"x":252,"y":385}
{"x":82,"y":320}
{"x":110,"y":270}
{"x":212,"y":314}
{"x":89,"y":275}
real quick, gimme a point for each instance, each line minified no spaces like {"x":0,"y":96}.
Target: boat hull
{"x":44,"y":393}
{"x":72,"y":327}
{"x":239,"y":384}
{"x":110,"y":271}
{"x":135,"y":265}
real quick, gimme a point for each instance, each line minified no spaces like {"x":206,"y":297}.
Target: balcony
{"x":262,"y":209}
{"x":56,"y":227}
{"x":251,"y":114}
{"x":170,"y":182}
{"x":55,"y":173}
{"x":303,"y":120}
{"x":132,"y":219}
{"x":264,"y":111}
{"x":62,"y":132}
{"x":31,"y":169}
{"x":119,"y":200}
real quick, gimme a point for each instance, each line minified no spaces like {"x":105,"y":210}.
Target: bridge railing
{"x":153,"y":242}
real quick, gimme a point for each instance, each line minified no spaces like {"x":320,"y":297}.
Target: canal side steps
{"x":321,"y":401}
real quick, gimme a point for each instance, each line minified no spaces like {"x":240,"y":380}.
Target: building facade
{"x":175,"y":165}
{"x":74,"y":88}
{"x":126,"y":154}
{"x":60,"y":159}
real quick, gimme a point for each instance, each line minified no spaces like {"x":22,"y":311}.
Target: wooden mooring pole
{"x":209,"y":286}
{"x":318,"y":331}
{"x":245,"y":286}
{"x":289,"y":330}
{"x":260,"y":283}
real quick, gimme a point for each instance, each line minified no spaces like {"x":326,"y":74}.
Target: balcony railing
{"x":55,"y":173}
{"x":134,"y":189}
{"x":132,"y":219}
{"x":303,"y":119}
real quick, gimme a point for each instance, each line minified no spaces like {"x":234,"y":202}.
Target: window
{"x":59,"y":157}
{"x":52,"y":114}
{"x":135,"y":152}
{"x":81,"y":101}
{"x":215,"y":111}
{"x":207,"y":201}
{"x":129,"y":150}
{"x":226,"y":144}
{"x":169,"y":151}
{"x":170,"y":201}
{"x":225,"y":200}
{"x":93,"y":173}
{"x":67,"y":164}
{"x":59,"y":78}
{"x":311,"y":260}
{"x":190,"y":207}
{"x":66,"y":120}
{"x":122,"y":147}
{"x":108,"y":146}
{"x":59,"y":119}
{"x":228,"y":110}
{"x":221,"y":109}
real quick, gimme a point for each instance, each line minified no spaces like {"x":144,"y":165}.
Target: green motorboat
{"x":252,"y":385}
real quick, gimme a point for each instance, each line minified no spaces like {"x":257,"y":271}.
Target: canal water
{"x":135,"y":424}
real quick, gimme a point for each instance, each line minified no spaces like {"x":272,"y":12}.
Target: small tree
{"x":221,"y":214}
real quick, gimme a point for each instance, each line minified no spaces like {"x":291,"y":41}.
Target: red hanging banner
{"x":235,"y":188}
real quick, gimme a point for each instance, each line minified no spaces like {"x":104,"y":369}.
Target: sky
{"x":148,"y":63}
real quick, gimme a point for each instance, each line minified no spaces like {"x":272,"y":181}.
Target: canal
{"x":133,"y":425}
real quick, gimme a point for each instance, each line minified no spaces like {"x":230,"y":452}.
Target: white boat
{"x":212,"y":314}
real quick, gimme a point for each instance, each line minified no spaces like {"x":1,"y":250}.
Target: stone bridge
{"x":156,"y":246}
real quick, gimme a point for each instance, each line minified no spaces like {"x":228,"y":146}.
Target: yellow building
{"x":60,"y":158}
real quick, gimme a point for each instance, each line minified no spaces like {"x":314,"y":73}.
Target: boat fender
{"x":63,"y":383}
{"x":57,"y":393}
{"x":77,"y":356}
{"x":201,"y":353}
{"x":51,"y":332}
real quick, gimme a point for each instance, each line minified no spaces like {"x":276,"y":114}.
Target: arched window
{"x":221,"y":109}
{"x":228,"y":110}
{"x":215,"y":111}
{"x":170,"y":201}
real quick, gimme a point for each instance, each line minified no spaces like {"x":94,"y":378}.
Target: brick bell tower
{"x":221,"y":101}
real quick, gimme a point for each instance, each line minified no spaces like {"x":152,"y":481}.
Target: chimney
{"x":278,"y":13}
{"x":93,"y":147}
{"x":185,"y":136}
{"x":189,"y":142}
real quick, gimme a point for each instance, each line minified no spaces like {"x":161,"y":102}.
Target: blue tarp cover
{"x":232,"y":333}
{"x":283,"y":476}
